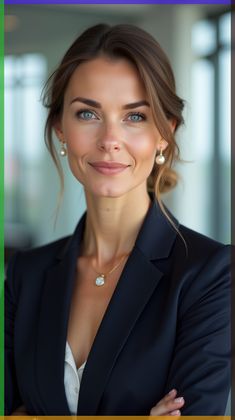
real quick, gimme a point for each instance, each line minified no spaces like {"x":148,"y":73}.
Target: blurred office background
{"x":197,"y":41}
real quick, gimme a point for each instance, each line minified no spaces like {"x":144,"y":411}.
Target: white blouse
{"x":72,"y":379}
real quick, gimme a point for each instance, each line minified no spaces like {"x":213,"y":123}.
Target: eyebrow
{"x":95,"y":104}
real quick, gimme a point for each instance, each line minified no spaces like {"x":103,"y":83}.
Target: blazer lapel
{"x":136,"y":285}
{"x":52,"y":327}
{"x":138,"y":281}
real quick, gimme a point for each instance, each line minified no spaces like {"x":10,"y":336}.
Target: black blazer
{"x":167,"y":326}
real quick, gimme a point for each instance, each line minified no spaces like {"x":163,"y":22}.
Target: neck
{"x":112,"y":224}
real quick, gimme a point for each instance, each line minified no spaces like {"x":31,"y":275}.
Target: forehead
{"x":101,"y":76}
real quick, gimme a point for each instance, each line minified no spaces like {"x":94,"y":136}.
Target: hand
{"x":20,"y":411}
{"x":168,"y":406}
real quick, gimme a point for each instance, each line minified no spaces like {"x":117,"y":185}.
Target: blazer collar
{"x":157,"y":234}
{"x":155,"y":239}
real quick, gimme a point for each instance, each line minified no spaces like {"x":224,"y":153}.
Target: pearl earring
{"x":160,"y":159}
{"x":63,"y":151}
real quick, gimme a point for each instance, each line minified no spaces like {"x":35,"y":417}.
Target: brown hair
{"x":133,"y":43}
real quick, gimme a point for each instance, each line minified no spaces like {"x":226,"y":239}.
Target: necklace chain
{"x":100,"y":280}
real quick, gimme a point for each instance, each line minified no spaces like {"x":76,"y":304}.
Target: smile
{"x":108,"y":168}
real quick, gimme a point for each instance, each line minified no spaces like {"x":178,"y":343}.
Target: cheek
{"x":143,"y":147}
{"x":79,"y":140}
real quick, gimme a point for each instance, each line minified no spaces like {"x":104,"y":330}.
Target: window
{"x":24,"y":116}
{"x":211,"y":82}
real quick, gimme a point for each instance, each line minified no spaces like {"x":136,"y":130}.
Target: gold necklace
{"x":101,"y":278}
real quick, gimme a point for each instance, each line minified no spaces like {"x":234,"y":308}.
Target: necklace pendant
{"x":100,"y":280}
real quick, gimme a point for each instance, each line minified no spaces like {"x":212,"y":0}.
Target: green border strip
{"x":1,"y":207}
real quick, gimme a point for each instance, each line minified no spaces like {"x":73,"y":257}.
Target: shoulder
{"x":27,"y":267}
{"x":197,"y":238}
{"x":206,"y":270}
{"x":45,"y":253}
{"x":199,"y":246}
{"x":200,"y":261}
{"x":28,"y":262}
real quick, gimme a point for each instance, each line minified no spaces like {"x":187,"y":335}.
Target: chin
{"x":110,"y":194}
{"x":108,"y":191}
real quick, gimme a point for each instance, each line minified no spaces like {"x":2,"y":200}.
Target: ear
{"x":172,"y":124}
{"x":162,"y":143}
{"x":58,"y":130}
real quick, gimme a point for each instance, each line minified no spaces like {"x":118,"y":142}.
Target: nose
{"x":109,"y":141}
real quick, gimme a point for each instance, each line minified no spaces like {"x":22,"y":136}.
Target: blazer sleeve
{"x":12,"y":395}
{"x":200,"y":368}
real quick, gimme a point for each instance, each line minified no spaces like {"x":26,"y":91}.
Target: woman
{"x":133,"y":302}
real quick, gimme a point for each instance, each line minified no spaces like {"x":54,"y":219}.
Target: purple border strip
{"x":117,"y":2}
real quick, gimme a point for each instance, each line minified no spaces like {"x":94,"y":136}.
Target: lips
{"x":108,"y":167}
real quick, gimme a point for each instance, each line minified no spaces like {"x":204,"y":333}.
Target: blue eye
{"x":136,"y":117}
{"x":86,"y":115}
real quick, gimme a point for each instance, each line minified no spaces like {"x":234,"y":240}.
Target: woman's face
{"x":108,"y":127}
